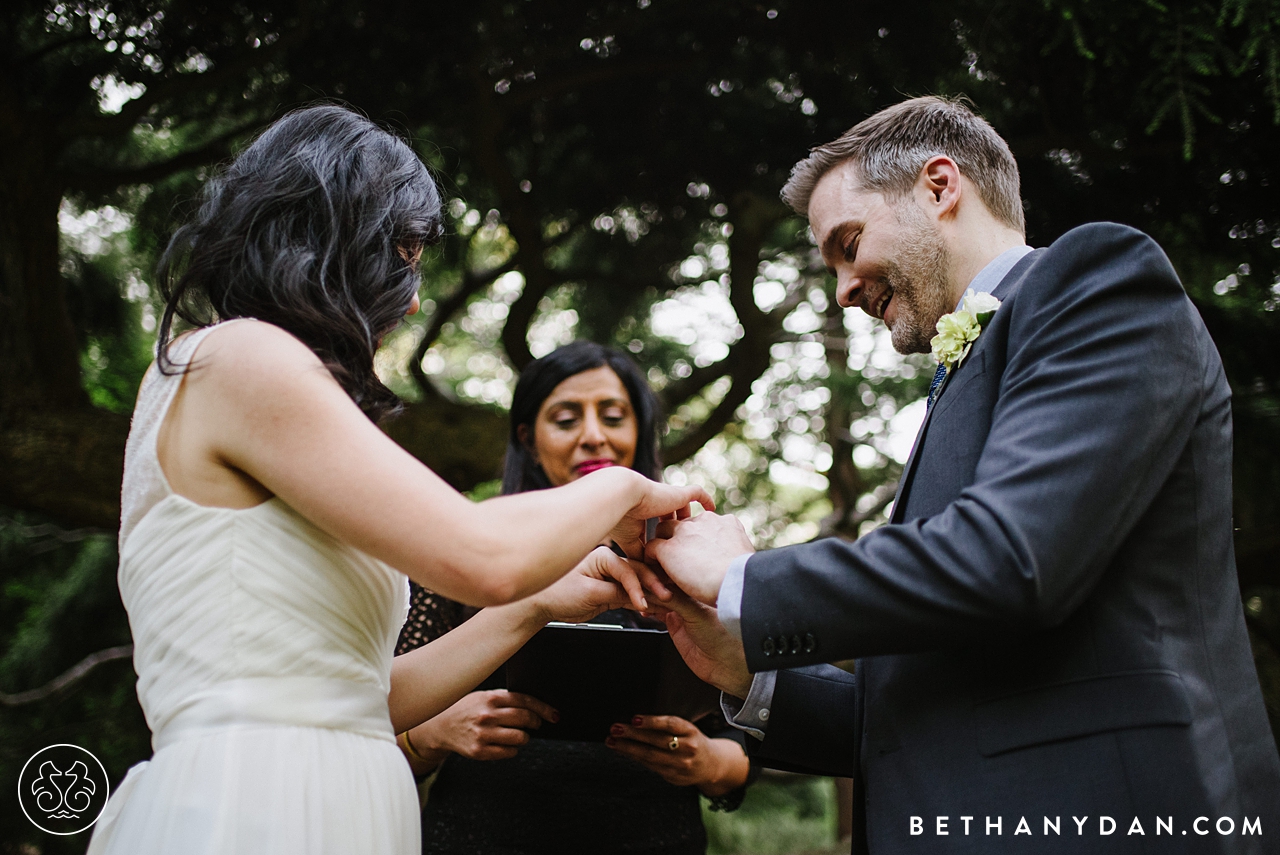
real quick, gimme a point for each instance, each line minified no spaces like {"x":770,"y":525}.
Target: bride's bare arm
{"x":260,"y":403}
{"x":427,"y":681}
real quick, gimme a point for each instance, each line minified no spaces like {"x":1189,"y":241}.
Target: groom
{"x":1051,"y":651}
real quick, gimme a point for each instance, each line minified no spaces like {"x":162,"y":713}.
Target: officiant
{"x":578,"y":409}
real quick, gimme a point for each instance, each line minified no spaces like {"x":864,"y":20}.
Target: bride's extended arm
{"x":429,"y":680}
{"x":263,"y":404}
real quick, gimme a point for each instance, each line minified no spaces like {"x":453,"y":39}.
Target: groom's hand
{"x":696,"y":553}
{"x":706,"y":646}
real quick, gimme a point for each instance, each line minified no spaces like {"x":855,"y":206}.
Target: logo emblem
{"x":62,"y":789}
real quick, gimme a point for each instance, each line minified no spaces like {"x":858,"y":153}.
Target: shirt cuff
{"x":729,"y":600}
{"x":752,"y":713}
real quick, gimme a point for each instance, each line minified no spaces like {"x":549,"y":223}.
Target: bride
{"x":267,"y":525}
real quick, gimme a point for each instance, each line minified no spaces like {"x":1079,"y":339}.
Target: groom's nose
{"x":849,"y":290}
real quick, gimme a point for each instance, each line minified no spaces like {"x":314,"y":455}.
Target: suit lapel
{"x":909,"y":467}
{"x":908,"y":470}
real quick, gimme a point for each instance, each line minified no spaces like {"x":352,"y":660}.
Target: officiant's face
{"x":585,"y":424}
{"x":888,"y":258}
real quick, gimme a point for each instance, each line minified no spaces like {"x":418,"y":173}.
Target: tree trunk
{"x":461,"y":443}
{"x":57,"y":454}
{"x":38,"y":343}
{"x":61,"y":456}
{"x":66,"y":463}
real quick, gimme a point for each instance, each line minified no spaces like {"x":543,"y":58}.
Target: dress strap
{"x":144,"y":484}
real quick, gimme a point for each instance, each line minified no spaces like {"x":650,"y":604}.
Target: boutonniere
{"x":958,"y":330}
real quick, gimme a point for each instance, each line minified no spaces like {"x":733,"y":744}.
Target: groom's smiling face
{"x":888,"y":258}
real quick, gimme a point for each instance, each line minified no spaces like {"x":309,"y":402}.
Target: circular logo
{"x":62,"y":789}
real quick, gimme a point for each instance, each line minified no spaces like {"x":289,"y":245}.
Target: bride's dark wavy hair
{"x":305,"y":229}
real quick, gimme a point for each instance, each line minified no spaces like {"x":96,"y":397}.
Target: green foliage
{"x":1259,"y":20}
{"x":1187,"y":49}
{"x":485,"y":490}
{"x":108,"y":297}
{"x":58,"y":603}
{"x":779,"y":816}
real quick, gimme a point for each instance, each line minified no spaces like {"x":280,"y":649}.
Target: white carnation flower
{"x":958,"y":330}
{"x":979,"y":304}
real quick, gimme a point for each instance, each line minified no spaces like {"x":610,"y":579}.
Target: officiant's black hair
{"x":308,"y":229}
{"x":540,"y":377}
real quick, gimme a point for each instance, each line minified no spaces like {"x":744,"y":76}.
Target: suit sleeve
{"x":809,"y":728}
{"x":1097,"y":398}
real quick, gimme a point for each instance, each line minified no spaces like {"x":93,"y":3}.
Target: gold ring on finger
{"x":674,"y":743}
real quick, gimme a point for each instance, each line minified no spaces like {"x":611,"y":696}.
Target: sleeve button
{"x":768,"y":646}
{"x":810,"y":643}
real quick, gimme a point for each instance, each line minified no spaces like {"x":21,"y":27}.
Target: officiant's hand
{"x":709,"y":649}
{"x":682,"y":754}
{"x":696,"y":553}
{"x":600,"y":582}
{"x":490,"y":725}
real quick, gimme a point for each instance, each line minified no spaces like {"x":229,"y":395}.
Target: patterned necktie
{"x":938,"y":377}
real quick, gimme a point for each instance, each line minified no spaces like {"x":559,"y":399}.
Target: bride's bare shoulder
{"x":249,"y":347}
{"x":251,"y":365}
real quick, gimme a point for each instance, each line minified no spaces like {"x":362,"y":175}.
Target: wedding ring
{"x":674,"y":743}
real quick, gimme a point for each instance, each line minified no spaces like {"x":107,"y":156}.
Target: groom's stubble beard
{"x":919,"y":276}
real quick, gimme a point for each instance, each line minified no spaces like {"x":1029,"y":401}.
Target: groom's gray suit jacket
{"x":1051,"y":625}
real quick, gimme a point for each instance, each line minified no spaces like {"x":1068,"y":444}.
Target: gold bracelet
{"x":403,"y":739}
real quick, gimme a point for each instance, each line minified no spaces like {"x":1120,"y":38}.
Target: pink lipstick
{"x":586,"y":467}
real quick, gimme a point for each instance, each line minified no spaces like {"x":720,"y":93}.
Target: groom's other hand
{"x":697,"y":552}
{"x":710,"y":650}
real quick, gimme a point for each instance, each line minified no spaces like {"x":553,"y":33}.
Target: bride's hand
{"x":665,"y":501}
{"x":600,"y":582}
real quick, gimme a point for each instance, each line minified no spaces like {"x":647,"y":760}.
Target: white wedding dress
{"x":263,"y":651}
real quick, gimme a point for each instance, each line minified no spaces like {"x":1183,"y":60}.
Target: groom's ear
{"x":939,"y":185}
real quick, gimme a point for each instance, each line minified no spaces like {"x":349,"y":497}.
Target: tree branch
{"x":211,"y":152}
{"x":55,"y":45}
{"x":752,"y":365}
{"x":521,"y":220}
{"x":846,"y":522}
{"x":681,"y":390}
{"x":471,"y":283}
{"x":68,"y":678}
{"x":752,"y":218}
{"x":462,"y":443}
{"x":182,"y":84}
{"x":603,"y":74}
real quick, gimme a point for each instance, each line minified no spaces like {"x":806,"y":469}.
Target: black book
{"x":596,"y":675}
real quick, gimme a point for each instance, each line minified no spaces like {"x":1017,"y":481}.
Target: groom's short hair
{"x":891,"y":147}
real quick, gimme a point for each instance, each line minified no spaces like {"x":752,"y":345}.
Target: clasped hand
{"x":600,"y":582}
{"x":695,"y":554}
